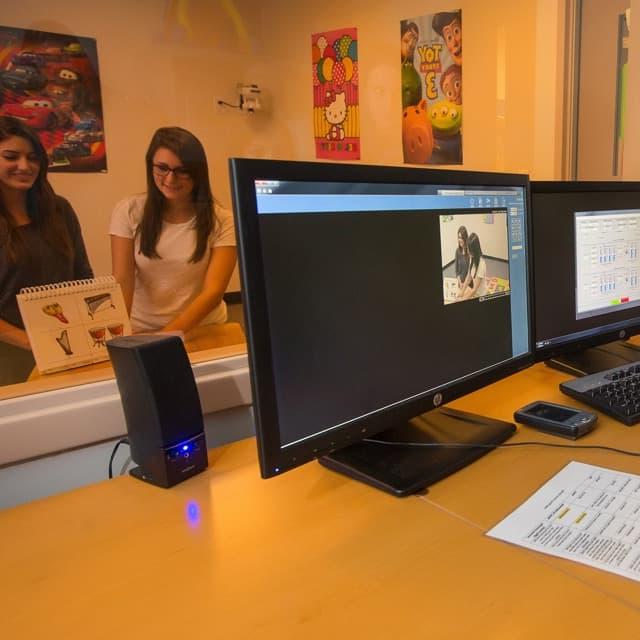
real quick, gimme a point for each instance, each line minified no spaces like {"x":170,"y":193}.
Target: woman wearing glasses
{"x":173,"y":247}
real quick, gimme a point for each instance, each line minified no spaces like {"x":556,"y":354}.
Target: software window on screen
{"x":607,"y":261}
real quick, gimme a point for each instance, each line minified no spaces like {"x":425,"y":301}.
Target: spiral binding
{"x":69,"y":286}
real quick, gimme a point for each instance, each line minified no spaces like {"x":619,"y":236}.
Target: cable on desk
{"x":113,"y":454}
{"x":464,"y":445}
{"x":228,"y":104}
{"x":125,"y":465}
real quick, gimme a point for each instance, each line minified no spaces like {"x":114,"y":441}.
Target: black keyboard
{"x":615,"y":392}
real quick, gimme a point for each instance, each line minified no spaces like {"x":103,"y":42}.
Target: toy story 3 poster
{"x":50,"y":81}
{"x":431,"y":59}
{"x":336,"y":110}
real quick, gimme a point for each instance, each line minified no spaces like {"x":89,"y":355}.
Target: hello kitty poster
{"x":336,"y":108}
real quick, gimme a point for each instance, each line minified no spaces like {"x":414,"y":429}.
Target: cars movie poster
{"x":51,"y":82}
{"x":336,"y":110}
{"x":431,"y":71}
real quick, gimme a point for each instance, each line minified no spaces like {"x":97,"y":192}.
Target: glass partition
{"x":183,"y":63}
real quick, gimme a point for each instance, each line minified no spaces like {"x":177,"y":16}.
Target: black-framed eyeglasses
{"x":162,"y":170}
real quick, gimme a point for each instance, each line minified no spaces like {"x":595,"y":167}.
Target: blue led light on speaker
{"x":185,"y":447}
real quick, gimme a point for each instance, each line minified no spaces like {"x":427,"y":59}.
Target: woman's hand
{"x":463,"y":287}
{"x":123,"y":267}
{"x":221,"y":265}
{"x":14,"y":335}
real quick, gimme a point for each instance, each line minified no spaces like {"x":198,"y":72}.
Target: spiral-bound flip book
{"x":69,"y":323}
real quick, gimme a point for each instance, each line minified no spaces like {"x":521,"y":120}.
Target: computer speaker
{"x":161,"y":407}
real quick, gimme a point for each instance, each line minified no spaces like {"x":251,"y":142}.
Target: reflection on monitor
{"x":586,"y":237}
{"x":373,"y":295}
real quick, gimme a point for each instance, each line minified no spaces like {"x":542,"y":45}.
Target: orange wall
{"x":510,"y":77}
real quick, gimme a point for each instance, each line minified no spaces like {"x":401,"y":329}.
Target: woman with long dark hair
{"x":462,"y":259}
{"x":40,"y":239}
{"x":476,"y":284}
{"x":173,"y":247}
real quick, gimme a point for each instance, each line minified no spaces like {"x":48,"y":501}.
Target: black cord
{"x":228,"y":104}
{"x":464,"y":445}
{"x":113,"y":454}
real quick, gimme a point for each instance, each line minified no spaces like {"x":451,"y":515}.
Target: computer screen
{"x":360,"y":310}
{"x":586,"y":242}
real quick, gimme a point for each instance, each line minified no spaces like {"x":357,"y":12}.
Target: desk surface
{"x":312,"y":554}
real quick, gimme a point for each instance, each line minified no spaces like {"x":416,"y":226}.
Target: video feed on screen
{"x":475,"y":255}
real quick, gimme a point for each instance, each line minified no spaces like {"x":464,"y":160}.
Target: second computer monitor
{"x":586,"y":244}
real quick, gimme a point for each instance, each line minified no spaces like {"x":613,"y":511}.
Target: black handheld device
{"x":556,"y":419}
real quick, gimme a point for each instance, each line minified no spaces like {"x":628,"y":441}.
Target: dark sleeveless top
{"x":44,"y":266}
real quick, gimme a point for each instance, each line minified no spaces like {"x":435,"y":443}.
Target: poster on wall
{"x":51,"y":82}
{"x":336,"y":108}
{"x":431,"y":71}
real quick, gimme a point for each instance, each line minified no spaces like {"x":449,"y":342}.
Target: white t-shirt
{"x":480,"y":272}
{"x":165,"y":286}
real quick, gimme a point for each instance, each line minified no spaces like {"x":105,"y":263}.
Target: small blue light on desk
{"x":193,"y":514}
{"x":185,"y":447}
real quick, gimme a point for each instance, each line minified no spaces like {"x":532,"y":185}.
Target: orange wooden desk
{"x":310,"y":554}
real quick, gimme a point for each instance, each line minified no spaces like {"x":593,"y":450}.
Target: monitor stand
{"x":596,"y":359}
{"x":403,"y":470}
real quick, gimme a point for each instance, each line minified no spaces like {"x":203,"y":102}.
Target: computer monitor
{"x":353,"y":316}
{"x":586,"y":266}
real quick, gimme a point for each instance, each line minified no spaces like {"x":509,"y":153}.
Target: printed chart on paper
{"x":584,"y":513}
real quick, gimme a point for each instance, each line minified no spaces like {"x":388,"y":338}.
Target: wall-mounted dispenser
{"x":249,"y":98}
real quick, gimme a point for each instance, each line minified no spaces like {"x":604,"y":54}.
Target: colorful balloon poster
{"x":431,"y":59}
{"x":336,"y":108}
{"x":51,"y":82}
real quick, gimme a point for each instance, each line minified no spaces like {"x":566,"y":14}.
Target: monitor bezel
{"x":628,"y":327}
{"x":275,"y":459}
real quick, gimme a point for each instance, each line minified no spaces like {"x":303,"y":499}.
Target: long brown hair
{"x":41,"y":203}
{"x":475,"y":251}
{"x":464,"y":234}
{"x":191,"y":153}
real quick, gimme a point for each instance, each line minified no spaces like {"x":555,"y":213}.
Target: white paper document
{"x":584,"y":513}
